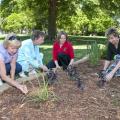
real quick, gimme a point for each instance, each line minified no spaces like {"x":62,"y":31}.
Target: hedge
{"x":72,"y":38}
{"x":87,"y":39}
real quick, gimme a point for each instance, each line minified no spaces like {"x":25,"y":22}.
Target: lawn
{"x":80,"y":51}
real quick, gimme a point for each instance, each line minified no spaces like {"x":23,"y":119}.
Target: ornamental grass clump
{"x":42,"y":92}
{"x":94,"y":53}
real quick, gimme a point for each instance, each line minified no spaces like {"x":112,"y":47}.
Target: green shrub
{"x":74,"y":39}
{"x":86,"y":39}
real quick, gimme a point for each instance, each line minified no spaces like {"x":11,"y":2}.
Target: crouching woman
{"x":8,"y":65}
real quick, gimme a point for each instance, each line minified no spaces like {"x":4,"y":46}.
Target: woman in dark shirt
{"x":112,"y":50}
{"x":113,"y":53}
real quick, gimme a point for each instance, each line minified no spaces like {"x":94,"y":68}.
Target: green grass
{"x":80,"y":51}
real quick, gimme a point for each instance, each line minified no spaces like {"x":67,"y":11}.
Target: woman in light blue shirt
{"x":29,"y":55}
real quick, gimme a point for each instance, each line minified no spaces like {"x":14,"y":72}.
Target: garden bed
{"x":70,"y":104}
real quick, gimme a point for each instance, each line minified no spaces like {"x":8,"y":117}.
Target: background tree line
{"x":83,"y":17}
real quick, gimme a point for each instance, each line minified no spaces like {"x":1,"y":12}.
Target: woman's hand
{"x":23,"y":89}
{"x":44,"y":68}
{"x":57,"y":66}
{"x":71,"y":62}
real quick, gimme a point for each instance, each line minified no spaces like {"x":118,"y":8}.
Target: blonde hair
{"x":11,"y":40}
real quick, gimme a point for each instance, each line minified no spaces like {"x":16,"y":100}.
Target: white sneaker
{"x":33,"y":72}
{"x":22,"y":74}
{"x":1,"y":82}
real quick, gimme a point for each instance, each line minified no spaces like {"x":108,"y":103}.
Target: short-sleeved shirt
{"x":4,"y":55}
{"x":112,"y":51}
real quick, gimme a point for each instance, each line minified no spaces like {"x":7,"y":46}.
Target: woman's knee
{"x":51,"y":64}
{"x":18,"y":68}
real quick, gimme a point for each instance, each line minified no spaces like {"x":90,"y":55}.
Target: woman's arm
{"x":13,"y":67}
{"x":106,"y":64}
{"x":56,"y":63}
{"x":11,"y":82}
{"x":71,"y":61}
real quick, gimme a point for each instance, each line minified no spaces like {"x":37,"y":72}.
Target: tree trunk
{"x":52,"y":14}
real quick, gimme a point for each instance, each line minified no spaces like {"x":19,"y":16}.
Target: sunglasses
{"x":13,"y":38}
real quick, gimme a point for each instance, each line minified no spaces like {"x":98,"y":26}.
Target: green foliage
{"x":94,"y":52}
{"x":87,"y":39}
{"x":76,"y":23}
{"x":100,"y":22}
{"x":74,"y":16}
{"x":17,"y":22}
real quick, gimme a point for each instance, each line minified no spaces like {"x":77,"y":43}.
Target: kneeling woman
{"x":8,"y":65}
{"x":63,"y":54}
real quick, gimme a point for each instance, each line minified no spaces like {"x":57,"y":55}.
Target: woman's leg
{"x":63,"y":60}
{"x":17,"y":70}
{"x":8,"y":68}
{"x":51,"y":64}
{"x":110,"y":75}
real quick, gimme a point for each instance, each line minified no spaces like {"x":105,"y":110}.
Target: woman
{"x":8,"y":65}
{"x":113,"y":53}
{"x":63,"y":54}
{"x":29,"y":55}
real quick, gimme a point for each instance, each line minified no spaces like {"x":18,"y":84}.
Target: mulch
{"x":72,"y":104}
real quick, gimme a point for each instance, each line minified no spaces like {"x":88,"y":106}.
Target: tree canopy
{"x":73,"y":16}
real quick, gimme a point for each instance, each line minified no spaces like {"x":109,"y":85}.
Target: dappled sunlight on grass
{"x":75,"y":46}
{"x":46,"y":46}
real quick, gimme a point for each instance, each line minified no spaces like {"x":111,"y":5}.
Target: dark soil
{"x":72,"y":104}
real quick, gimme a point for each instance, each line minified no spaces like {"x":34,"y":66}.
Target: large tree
{"x":55,"y":15}
{"x":52,"y":15}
